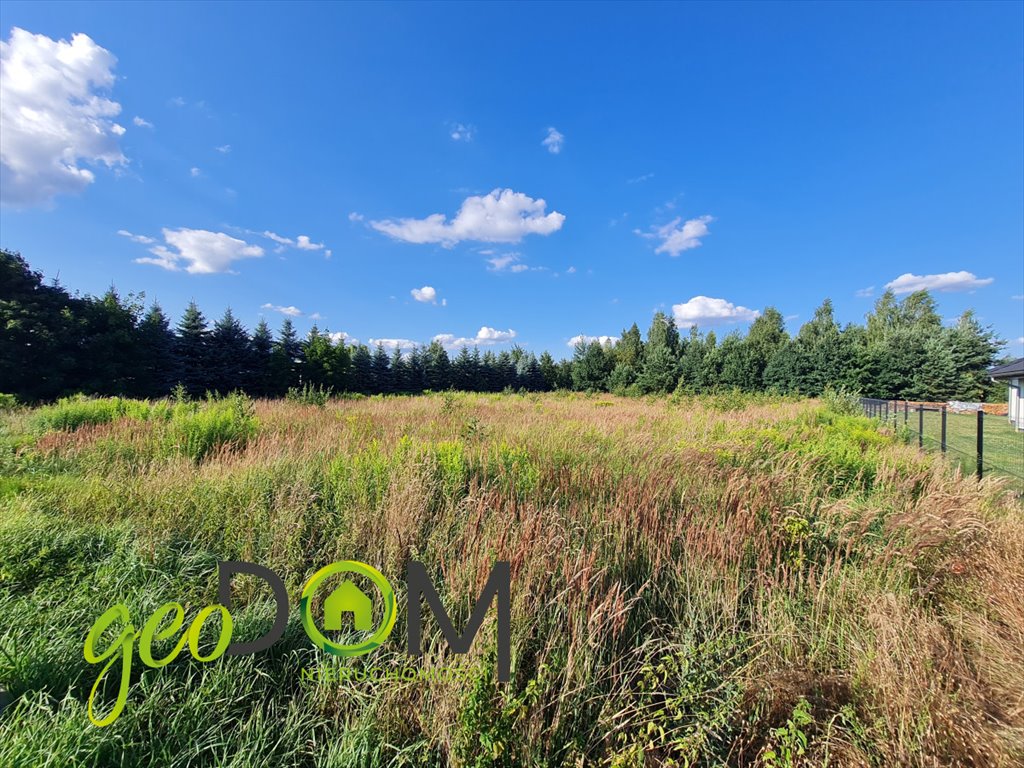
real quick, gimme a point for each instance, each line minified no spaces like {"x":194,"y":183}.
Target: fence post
{"x":920,"y":426}
{"x":906,"y":412}
{"x":981,"y":441}
{"x":943,"y":429}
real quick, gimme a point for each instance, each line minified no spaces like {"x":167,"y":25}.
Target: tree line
{"x":53,"y":343}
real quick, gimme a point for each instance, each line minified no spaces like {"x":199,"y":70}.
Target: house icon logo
{"x":348,"y":598}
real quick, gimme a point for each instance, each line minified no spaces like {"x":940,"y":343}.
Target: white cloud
{"x":338,"y":336}
{"x":200,"y":251}
{"x":675,"y":238}
{"x":138,"y":122}
{"x":484,"y":337}
{"x":865,"y":293}
{"x":1018,"y":297}
{"x":195,"y":172}
{"x":53,"y":116}
{"x":278,"y":239}
{"x":426,"y":294}
{"x":702,"y":310}
{"x":507,"y":261}
{"x":223,"y":148}
{"x":554,"y":141}
{"x":355,"y":216}
{"x":177,"y":101}
{"x":1020,"y":340}
{"x":948,"y":281}
{"x":571,"y":271}
{"x":302,"y":242}
{"x":503,"y":216}
{"x":460,"y":132}
{"x":602,"y":340}
{"x":393,"y":343}
{"x":118,"y":130}
{"x":289,"y":311}
{"x":640,"y":179}
{"x":136,"y":238}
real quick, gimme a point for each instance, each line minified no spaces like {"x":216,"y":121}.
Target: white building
{"x":1013,"y":374}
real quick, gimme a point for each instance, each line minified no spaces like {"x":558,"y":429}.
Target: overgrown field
{"x":719,"y":581}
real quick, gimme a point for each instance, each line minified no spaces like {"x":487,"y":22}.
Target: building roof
{"x":1008,"y":371}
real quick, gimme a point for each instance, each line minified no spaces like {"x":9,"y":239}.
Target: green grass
{"x":1003,"y":445}
{"x":768,"y":582}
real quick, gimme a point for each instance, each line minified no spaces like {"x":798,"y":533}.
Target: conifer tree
{"x":192,"y":351}
{"x":156,"y":354}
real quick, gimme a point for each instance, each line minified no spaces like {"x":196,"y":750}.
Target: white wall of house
{"x":1016,"y":402}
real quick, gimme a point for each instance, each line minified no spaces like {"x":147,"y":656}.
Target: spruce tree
{"x":286,"y":359}
{"x":260,"y":362}
{"x":230,"y":354}
{"x":191,"y":349}
{"x":156,"y":375}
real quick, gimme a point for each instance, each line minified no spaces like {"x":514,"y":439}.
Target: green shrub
{"x":71,"y":413}
{"x":7,"y":402}
{"x":195,"y":430}
{"x":842,"y":400}
{"x":307,"y":394}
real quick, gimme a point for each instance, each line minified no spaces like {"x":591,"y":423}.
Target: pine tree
{"x":286,"y":359}
{"x":590,"y":367}
{"x":438,"y":368}
{"x":192,"y":351}
{"x":464,"y":371}
{"x":260,"y":380}
{"x":361,"y":379}
{"x":230,"y":354}
{"x":549,"y":370}
{"x":156,"y":375}
{"x":399,"y":372}
{"x":380,"y":371}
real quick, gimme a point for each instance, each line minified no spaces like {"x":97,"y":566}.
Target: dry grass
{"x":682,"y":580}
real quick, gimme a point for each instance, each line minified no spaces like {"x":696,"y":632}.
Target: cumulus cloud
{"x":393,"y":343}
{"x":460,"y":132}
{"x":676,"y":238}
{"x":355,"y":216}
{"x":138,"y":122}
{"x":484,"y":337}
{"x":865,"y":293}
{"x":199,"y":251}
{"x":947,"y":282}
{"x":506,"y":262}
{"x":426,"y":294}
{"x":136,"y":238}
{"x":290,"y":311}
{"x":223,"y":148}
{"x":339,"y":336}
{"x":502,"y":216}
{"x":702,"y":310}
{"x":554,"y":141}
{"x":602,"y":340}
{"x":302,"y":242}
{"x":54,"y":116}
{"x":195,"y":172}
{"x":640,"y":179}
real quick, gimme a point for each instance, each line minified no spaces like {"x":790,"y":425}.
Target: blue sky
{"x":706,"y":160}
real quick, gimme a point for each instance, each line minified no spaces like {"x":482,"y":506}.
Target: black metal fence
{"x":981,"y":443}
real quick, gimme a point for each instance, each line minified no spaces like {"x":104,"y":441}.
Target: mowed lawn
{"x":699,"y":582}
{"x":1003,"y":445}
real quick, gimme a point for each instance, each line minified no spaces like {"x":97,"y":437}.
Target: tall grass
{"x":768,"y":583}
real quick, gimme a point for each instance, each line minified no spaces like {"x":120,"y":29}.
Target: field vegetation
{"x":696,"y":581}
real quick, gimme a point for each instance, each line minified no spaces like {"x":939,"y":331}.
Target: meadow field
{"x":715,"y":580}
